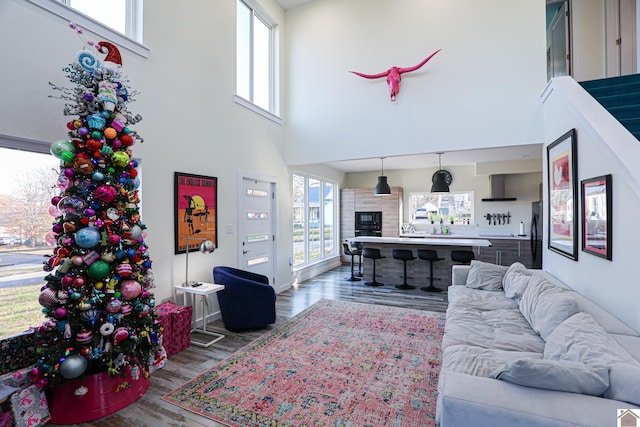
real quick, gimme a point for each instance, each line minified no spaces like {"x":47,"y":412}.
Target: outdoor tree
{"x":100,"y":313}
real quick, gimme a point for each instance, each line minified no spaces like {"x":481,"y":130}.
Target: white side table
{"x":204,"y":290}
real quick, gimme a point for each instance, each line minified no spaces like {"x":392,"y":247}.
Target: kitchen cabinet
{"x":506,"y":252}
{"x":363,"y":199}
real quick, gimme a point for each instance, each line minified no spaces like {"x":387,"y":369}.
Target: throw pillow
{"x":581,"y":339}
{"x":545,"y":306}
{"x":572,"y":377}
{"x":484,"y":275}
{"x":624,"y":383}
{"x":515,"y":280}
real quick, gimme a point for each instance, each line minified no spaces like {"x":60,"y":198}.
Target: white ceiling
{"x":452,"y":158}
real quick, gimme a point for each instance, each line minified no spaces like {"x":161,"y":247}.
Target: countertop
{"x":464,"y":235}
{"x":426,"y":240}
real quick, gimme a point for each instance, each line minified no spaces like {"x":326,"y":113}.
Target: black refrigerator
{"x":535,"y":234}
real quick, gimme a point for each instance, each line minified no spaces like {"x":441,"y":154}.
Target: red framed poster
{"x":196,"y":210}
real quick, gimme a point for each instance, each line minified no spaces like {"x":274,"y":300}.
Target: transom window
{"x":450,"y":208}
{"x":255,"y":58}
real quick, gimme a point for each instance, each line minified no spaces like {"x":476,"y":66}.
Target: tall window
{"x":314,"y":219}
{"x":255,"y":57}
{"x":27,"y":184}
{"x":451,"y":208}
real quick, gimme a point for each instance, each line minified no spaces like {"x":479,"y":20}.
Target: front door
{"x":257,"y":237}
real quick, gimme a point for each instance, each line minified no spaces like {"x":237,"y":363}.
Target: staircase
{"x":621,"y":97}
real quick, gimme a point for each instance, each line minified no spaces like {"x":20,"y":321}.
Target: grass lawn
{"x":19,"y":309}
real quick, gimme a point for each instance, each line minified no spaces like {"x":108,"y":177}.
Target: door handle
{"x":244,"y":252}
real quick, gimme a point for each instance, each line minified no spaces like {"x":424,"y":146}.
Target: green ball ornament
{"x":118,"y":294}
{"x":67,"y":156}
{"x":111,"y":170}
{"x":126,"y":131}
{"x":98,"y":270}
{"x":120,"y":159}
{"x":96,"y":134}
{"x":60,"y":146}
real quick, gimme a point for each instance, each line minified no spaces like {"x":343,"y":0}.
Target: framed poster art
{"x":596,"y":216}
{"x":196,"y":210}
{"x":563,"y":195}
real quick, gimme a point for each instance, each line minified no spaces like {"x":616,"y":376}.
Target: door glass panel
{"x":298,"y":220}
{"x":257,"y":193}
{"x":257,"y":238}
{"x":257,"y":215}
{"x":256,"y":261}
{"x":328,"y":217}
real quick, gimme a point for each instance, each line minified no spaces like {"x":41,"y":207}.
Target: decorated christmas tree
{"x":100,"y":313}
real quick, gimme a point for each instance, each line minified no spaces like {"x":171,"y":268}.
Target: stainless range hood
{"x":497,"y":190}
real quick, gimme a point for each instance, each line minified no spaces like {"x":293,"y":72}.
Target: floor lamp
{"x":206,"y":247}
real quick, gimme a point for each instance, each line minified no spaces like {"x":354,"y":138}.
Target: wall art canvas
{"x":596,"y":216}
{"x":563,"y":195}
{"x":196,"y":209}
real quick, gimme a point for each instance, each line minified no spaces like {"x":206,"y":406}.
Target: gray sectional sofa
{"x":522,"y":349}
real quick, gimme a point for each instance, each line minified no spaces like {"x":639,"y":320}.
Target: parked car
{"x":421,"y":213}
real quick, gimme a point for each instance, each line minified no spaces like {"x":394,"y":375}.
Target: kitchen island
{"x":389,"y":270}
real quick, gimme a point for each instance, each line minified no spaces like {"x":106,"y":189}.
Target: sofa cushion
{"x":581,"y":339}
{"x":480,"y":362}
{"x":545,"y":306}
{"x":561,"y":375}
{"x":469,"y":323}
{"x":484,"y":275}
{"x":624,"y":383}
{"x":515,"y":280}
{"x":479,"y":298}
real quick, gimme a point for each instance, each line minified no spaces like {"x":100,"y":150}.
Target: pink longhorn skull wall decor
{"x":394,"y":74}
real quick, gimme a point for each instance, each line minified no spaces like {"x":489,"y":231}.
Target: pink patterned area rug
{"x":335,"y":364}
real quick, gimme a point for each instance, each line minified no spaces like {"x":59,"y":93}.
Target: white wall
{"x":191,"y":123}
{"x":479,"y":91}
{"x":611,"y":284}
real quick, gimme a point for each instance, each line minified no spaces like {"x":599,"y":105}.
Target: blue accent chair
{"x":247,"y":301}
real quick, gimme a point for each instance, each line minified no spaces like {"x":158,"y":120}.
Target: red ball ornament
{"x":126,"y":139}
{"x":120,"y":334}
{"x":70,"y":125}
{"x":133,"y":173}
{"x":93,"y":145}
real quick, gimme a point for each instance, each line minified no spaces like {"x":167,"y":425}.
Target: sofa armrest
{"x":459,"y":274}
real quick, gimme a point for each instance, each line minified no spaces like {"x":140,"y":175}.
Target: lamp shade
{"x":440,"y":183}
{"x":382,"y":187}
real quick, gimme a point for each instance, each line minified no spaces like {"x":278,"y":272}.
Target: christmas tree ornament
{"x":87,"y":237}
{"x":73,"y":366}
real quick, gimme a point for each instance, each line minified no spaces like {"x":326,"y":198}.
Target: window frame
{"x":273,"y":113}
{"x":427,"y":221}
{"x":134,"y":23}
{"x":322,"y":215}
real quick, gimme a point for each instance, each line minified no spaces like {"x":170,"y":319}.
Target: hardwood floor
{"x":152,"y":411}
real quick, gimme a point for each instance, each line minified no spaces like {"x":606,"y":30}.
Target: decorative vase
{"x":94,"y":396}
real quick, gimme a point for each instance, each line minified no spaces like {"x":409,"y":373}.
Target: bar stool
{"x":464,"y":257}
{"x":358,"y":246}
{"x":431,"y":256}
{"x":353,"y":253}
{"x":405,"y":255}
{"x":373,"y":254}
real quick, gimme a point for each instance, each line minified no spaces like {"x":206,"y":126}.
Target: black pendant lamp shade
{"x":382,"y":187}
{"x":439,"y":179}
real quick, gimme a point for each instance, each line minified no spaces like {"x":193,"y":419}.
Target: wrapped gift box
{"x":176,"y":324}
{"x":30,"y":407}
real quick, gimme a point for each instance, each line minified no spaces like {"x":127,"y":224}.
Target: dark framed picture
{"x":562,"y":185}
{"x":196,"y":210}
{"x":596,"y":216}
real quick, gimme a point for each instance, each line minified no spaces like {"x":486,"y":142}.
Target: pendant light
{"x":439,"y":179}
{"x":382,"y":188}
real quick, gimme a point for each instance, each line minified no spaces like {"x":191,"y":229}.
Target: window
{"x":255,"y":58}
{"x":451,"y":208}
{"x":28,"y":183}
{"x":314,"y":219}
{"x":118,"y":21}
